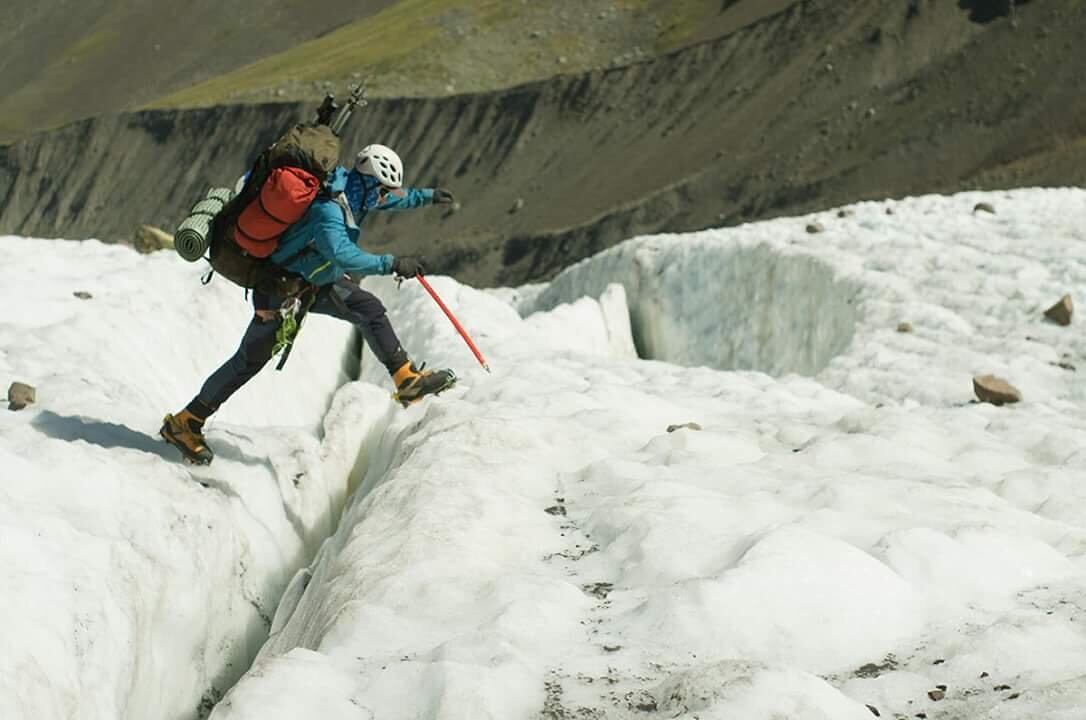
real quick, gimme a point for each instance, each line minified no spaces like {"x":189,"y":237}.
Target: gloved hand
{"x":409,"y":266}
{"x":443,"y":197}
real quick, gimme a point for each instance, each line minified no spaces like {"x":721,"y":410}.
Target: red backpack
{"x":284,"y":180}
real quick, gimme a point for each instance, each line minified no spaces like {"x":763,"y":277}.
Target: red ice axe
{"x":456,"y":323}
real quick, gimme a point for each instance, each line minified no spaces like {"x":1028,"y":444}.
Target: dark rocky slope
{"x":820,"y":104}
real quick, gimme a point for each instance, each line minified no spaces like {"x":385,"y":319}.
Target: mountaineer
{"x":320,"y":253}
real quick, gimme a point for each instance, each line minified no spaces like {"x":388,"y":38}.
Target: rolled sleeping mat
{"x":192,"y":237}
{"x":223,"y":195}
{"x":194,"y":233}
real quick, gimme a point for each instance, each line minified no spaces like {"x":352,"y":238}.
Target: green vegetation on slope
{"x":440,"y":47}
{"x":373,"y":43}
{"x":69,"y":59}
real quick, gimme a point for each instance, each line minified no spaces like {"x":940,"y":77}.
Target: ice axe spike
{"x":456,"y":323}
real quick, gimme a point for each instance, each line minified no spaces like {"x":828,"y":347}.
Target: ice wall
{"x":696,"y":300}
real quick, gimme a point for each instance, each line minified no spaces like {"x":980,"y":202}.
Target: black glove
{"x":443,"y":197}
{"x":409,"y":266}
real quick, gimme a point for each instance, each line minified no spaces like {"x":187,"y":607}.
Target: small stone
{"x":874,"y":710}
{"x":687,"y":426}
{"x":844,"y":213}
{"x":518,"y":205}
{"x":936,"y":695}
{"x":984,"y":674}
{"x":20,"y":395}
{"x":280,"y":92}
{"x":82,"y":294}
{"x":1013,"y":696}
{"x":562,"y":60}
{"x":816,"y":227}
{"x":555,"y":510}
{"x":1061,"y":312}
{"x":870,"y":112}
{"x":984,"y":207}
{"x":941,"y":687}
{"x":996,"y":391}
{"x":612,"y":648}
{"x":905,"y":327}
{"x":871,"y":670}
{"x":940,"y":661}
{"x":1001,"y":688}
{"x":889,"y":211}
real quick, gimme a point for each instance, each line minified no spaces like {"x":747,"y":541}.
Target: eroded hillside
{"x":64,"y":61}
{"x":815,"y":105}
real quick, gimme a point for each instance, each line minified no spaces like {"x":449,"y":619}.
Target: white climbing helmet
{"x":381,"y":162}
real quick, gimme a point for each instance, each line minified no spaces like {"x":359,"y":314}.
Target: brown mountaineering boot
{"x":414,"y":384}
{"x":185,"y":431}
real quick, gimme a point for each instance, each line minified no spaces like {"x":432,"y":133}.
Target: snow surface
{"x":132,"y":586}
{"x":535,"y":544}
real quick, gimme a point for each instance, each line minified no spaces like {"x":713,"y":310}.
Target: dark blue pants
{"x":343,"y":300}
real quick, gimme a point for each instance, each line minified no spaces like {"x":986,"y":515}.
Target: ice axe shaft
{"x":456,"y":323}
{"x":358,"y":100}
{"x":328,"y":108}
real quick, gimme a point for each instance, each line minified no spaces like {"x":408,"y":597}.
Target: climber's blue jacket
{"x":322,"y":246}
